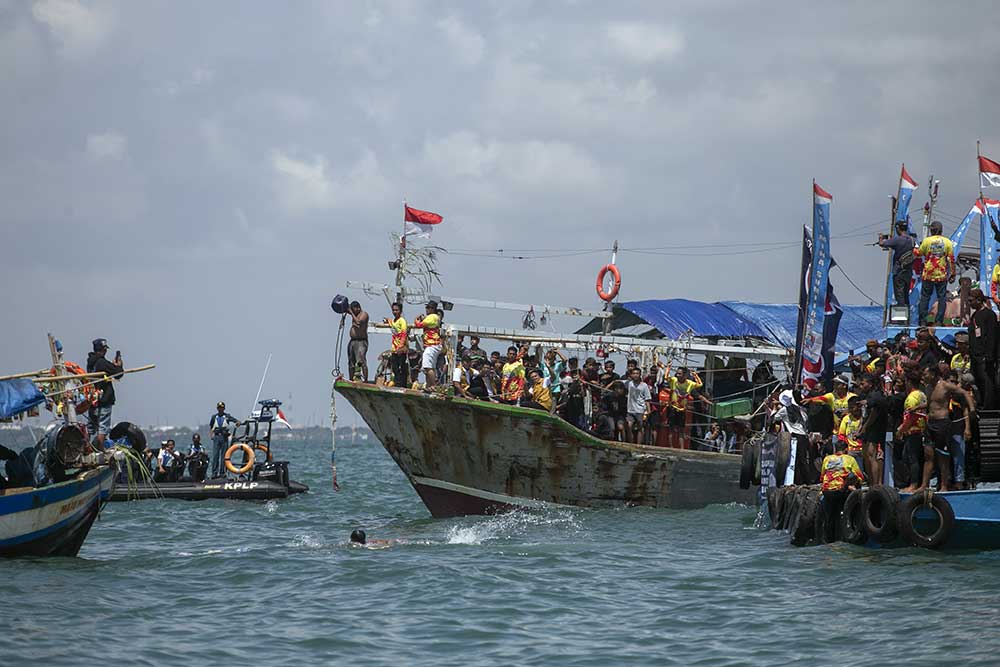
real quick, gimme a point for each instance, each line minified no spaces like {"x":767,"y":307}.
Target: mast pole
{"x":606,"y":323}
{"x":69,"y":408}
{"x":399,"y":258}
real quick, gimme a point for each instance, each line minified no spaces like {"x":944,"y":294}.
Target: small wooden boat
{"x":53,"y":520}
{"x":51,"y":493}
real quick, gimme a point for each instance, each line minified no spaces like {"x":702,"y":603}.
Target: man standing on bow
{"x":99,"y":417}
{"x":218,"y":426}
{"x":939,"y":269}
{"x":357,"y":348}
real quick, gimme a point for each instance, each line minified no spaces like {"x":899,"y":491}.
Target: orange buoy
{"x":249,"y":457}
{"x":609,"y":296}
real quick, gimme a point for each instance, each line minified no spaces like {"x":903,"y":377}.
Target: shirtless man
{"x":357,"y":348}
{"x":939,"y":445}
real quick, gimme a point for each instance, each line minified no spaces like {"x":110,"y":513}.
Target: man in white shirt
{"x":639,"y":398}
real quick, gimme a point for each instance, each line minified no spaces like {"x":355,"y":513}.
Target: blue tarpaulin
{"x":858,"y":325}
{"x":676,"y":317}
{"x":17,"y":396}
{"x":772,"y":322}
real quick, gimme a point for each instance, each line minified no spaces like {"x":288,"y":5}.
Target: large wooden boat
{"x":475,"y":457}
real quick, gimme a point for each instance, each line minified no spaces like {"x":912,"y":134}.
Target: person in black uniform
{"x":218,"y":426}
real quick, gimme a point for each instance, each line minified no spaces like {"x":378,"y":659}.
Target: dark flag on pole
{"x":819,"y":310}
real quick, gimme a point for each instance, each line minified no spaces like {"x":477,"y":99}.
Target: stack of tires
{"x":868,"y":515}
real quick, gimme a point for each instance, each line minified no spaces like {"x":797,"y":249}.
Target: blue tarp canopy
{"x":17,"y":396}
{"x":676,"y":317}
{"x":772,"y":322}
{"x":858,"y":325}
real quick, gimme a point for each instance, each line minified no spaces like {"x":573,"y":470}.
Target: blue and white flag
{"x":988,"y":247}
{"x":958,"y":235}
{"x":816,"y":365}
{"x":906,"y":187}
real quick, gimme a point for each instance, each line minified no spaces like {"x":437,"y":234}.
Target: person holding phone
{"x":99,"y":417}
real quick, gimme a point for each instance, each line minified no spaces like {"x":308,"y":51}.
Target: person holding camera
{"x":902,"y":261}
{"x":99,"y":416}
{"x":218,"y":426}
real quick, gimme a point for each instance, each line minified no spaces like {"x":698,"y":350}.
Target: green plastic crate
{"x":729,"y":409}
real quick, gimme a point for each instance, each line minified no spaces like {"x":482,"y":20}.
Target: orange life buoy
{"x":609,"y":296}
{"x":264,"y":448}
{"x":249,"y":458}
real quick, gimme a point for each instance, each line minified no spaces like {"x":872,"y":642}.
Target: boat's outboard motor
{"x":272,"y":471}
{"x":340,"y":304}
{"x":60,"y":449}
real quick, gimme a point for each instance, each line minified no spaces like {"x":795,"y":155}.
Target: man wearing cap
{"x":431,"y":324}
{"x":99,"y":417}
{"x":835,"y":400}
{"x":218,"y":426}
{"x":902,"y":263}
{"x":939,"y":269}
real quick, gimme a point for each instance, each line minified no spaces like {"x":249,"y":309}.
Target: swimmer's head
{"x":358,"y":536}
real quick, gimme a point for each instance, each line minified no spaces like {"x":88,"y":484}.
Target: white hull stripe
{"x":19,"y":524}
{"x":485,"y":495}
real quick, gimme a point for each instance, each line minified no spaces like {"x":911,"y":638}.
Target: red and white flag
{"x":279,"y":418}
{"x":419,"y":223}
{"x":989,"y":173}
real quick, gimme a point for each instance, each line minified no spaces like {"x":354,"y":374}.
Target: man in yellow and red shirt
{"x":836,"y":400}
{"x":398,"y":351}
{"x":681,"y":387}
{"x":849,"y":431}
{"x":939,"y":269}
{"x":839,"y":475}
{"x":512,"y":383}
{"x":431,"y":324}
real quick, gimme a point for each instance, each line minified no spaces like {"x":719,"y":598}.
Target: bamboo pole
{"x":60,"y":378}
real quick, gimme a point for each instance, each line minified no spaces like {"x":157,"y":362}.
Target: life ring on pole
{"x":609,"y":296}
{"x":231,"y":467}
{"x":264,"y":449}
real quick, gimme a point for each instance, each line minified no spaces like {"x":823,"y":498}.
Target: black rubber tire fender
{"x":128,"y":430}
{"x":823,"y":531}
{"x":772,"y":504}
{"x":796,"y":509}
{"x":785,"y":506}
{"x":780,"y":499}
{"x":782,"y":454}
{"x":880,"y":514}
{"x":804,"y":529}
{"x":746,"y":466}
{"x":755,"y":450}
{"x":929,"y":500}
{"x":852,"y":527}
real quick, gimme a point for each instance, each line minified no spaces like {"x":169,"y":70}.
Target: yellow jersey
{"x":850,"y":432}
{"x":431,"y":324}
{"x":680,"y":392}
{"x":399,"y":331}
{"x":914,"y":413}
{"x":939,"y":255}
{"x":836,"y":468}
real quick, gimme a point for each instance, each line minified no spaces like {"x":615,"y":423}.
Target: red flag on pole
{"x":422,"y":217}
{"x":989,"y":173}
{"x":419,"y":223}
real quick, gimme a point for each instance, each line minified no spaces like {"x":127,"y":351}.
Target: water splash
{"x":506,"y":526}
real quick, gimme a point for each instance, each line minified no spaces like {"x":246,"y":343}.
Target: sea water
{"x":276,"y":583}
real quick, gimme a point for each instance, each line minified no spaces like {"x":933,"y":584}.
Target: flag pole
{"x":399,"y":258}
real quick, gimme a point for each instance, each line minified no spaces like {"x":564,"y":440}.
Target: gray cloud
{"x":196,"y":180}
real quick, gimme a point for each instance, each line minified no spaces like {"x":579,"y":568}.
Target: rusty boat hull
{"x":468,"y":457}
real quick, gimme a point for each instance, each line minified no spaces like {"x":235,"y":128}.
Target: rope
{"x":338,"y":349}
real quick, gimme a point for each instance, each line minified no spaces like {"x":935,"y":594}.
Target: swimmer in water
{"x":361,"y":539}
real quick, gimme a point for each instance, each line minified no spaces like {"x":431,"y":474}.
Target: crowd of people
{"x":657,"y":405}
{"x":907,"y":412}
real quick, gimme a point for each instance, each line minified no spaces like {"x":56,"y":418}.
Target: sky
{"x":195,"y":181}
